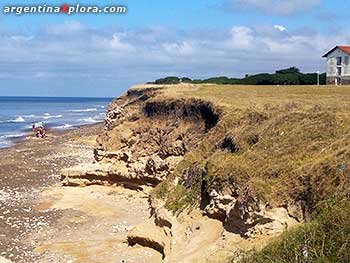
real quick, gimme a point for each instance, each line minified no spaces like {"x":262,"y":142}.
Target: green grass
{"x":326,"y":239}
{"x":161,"y":190}
{"x":181,"y":198}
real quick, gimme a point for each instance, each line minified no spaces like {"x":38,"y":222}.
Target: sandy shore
{"x":41,"y":221}
{"x":25,"y":170}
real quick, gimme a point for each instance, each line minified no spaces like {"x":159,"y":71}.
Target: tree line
{"x":289,"y":76}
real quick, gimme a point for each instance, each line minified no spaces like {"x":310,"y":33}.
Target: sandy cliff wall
{"x":247,"y":173}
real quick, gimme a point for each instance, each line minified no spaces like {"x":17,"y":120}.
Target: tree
{"x":186,"y":80}
{"x":289,"y":76}
{"x":291,"y":70}
{"x":168,"y":80}
{"x":308,"y":79}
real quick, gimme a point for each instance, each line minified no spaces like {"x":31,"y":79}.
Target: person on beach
{"x":39,"y":130}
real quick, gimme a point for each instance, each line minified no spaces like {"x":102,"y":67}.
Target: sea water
{"x":18,"y":113}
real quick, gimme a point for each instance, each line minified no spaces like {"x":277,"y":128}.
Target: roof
{"x":345,"y":49}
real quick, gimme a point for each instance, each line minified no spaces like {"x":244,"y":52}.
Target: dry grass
{"x":245,"y":96}
{"x":292,"y":142}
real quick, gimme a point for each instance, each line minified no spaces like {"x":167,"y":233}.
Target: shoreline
{"x":13,"y":142}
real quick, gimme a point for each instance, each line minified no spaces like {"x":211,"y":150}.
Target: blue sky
{"x":104,"y":54}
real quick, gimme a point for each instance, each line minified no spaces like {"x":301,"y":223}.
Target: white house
{"x":338,"y":65}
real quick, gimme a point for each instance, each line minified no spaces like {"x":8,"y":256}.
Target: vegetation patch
{"x":325,"y":239}
{"x":296,"y":155}
{"x":161,"y":190}
{"x":181,"y":198}
{"x":289,"y":76}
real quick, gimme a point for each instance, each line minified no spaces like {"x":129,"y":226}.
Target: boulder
{"x":219,"y":206}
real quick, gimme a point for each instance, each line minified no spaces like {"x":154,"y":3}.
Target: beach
{"x":175,"y":175}
{"x":26,"y":169}
{"x":41,"y":221}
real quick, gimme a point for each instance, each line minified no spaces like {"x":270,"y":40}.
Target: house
{"x":338,"y":67}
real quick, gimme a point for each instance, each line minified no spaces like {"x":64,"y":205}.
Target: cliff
{"x":226,"y":167}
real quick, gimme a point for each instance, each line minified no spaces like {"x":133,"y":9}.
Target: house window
{"x":339,"y":61}
{"x":346,"y":60}
{"x":339,"y":71}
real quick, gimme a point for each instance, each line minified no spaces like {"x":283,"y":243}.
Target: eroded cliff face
{"x":145,"y":140}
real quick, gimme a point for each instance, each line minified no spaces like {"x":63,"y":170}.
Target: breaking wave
{"x":45,"y":116}
{"x":89,"y":120}
{"x":18,"y":119}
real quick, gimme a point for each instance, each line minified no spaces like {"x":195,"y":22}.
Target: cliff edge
{"x":225,"y":167}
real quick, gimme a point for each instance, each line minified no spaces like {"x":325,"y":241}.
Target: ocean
{"x":18,"y":113}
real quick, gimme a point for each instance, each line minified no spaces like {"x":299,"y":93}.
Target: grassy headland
{"x":285,"y":145}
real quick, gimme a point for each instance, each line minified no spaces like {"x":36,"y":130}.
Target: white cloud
{"x":182,"y":48}
{"x":241,"y":38}
{"x":115,"y":43}
{"x":115,"y":56}
{"x":276,"y":7}
{"x":20,"y":38}
{"x":280,"y":28}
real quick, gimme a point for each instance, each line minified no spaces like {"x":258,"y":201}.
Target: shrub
{"x":168,"y":80}
{"x":161,"y":190}
{"x":291,"y":70}
{"x":181,"y":198}
{"x":186,"y":80}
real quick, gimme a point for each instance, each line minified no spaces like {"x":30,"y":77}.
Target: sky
{"x":101,"y":55}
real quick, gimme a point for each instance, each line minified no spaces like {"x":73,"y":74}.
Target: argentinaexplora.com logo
{"x":64,"y":9}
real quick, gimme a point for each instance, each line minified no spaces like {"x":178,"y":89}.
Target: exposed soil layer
{"x":191,"y":109}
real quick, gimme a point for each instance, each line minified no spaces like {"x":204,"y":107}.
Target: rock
{"x":152,"y":236}
{"x":118,"y":173}
{"x":112,"y":156}
{"x":295,"y":211}
{"x":155,"y":164}
{"x":245,"y":215}
{"x":276,"y":221}
{"x":124,"y":156}
{"x":113,"y":115}
{"x":88,"y":174}
{"x":173,"y":161}
{"x":176,"y":148}
{"x":219,"y":206}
